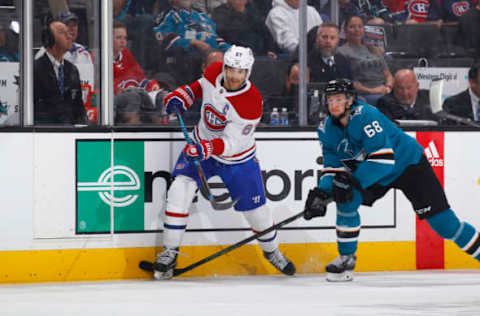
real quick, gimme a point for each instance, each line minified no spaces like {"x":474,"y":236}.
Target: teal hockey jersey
{"x":371,"y":147}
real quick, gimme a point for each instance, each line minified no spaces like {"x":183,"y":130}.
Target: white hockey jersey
{"x":227,"y":116}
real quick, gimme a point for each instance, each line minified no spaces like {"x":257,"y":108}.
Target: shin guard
{"x":348,"y":225}
{"x":180,"y":196}
{"x":261,"y":219}
{"x":448,"y":226}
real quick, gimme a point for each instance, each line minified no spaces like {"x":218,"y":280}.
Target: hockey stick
{"x":148,"y":266}
{"x":204,"y":184}
{"x":436,"y":90}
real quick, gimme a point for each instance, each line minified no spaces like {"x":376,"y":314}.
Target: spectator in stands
{"x":239,"y":23}
{"x":324,"y":61}
{"x":129,"y":80}
{"x":448,"y":11}
{"x":57,"y":91}
{"x":185,"y":34}
{"x":211,"y":57}
{"x":414,"y":11}
{"x":466,"y":104}
{"x":207,"y":6}
{"x":282,"y":21}
{"x":289,"y":95}
{"x":126,"y":71}
{"x":8,"y":45}
{"x":372,"y":78}
{"x":406,"y":101}
{"x":468,"y":27}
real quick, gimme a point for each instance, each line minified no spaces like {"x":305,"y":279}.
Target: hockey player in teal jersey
{"x":365,"y":155}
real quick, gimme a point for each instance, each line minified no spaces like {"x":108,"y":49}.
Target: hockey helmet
{"x":339,"y":86}
{"x":239,"y":57}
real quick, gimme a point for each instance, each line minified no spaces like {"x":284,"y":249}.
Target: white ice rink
{"x":394,"y":293}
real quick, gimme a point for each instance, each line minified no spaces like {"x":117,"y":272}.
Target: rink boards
{"x":88,"y":206}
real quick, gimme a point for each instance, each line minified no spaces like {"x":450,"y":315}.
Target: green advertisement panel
{"x":103,"y":186}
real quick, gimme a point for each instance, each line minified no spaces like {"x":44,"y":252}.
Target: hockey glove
{"x":316,"y":204}
{"x":181,"y":99}
{"x":342,"y":190}
{"x":199,"y":151}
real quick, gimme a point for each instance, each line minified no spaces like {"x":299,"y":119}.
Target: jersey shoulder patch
{"x":213,"y":71}
{"x":249,"y":105}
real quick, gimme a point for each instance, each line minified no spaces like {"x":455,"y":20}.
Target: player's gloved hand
{"x":342,"y":189}
{"x":200,"y":151}
{"x":181,"y":99}
{"x":316,"y":204}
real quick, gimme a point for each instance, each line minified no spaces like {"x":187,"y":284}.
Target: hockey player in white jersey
{"x":224,"y":143}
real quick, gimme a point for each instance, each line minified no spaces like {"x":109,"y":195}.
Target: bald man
{"x":406,"y":101}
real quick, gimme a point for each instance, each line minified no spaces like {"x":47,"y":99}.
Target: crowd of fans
{"x":160,"y":44}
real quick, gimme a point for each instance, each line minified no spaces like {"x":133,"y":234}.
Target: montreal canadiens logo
{"x":213,"y":119}
{"x":459,"y":8}
{"x":418,"y":8}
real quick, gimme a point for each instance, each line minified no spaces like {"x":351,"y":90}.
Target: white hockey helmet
{"x":239,"y":57}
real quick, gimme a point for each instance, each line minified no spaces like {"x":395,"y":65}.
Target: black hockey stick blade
{"x":146,"y":265}
{"x":204,"y":188}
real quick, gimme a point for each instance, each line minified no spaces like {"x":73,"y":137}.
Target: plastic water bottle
{"x":275,"y":117}
{"x":315,"y":102}
{"x":284,"y":117}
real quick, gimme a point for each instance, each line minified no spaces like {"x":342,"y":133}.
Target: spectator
{"x":282,"y":21}
{"x":292,"y":79}
{"x":448,"y":11}
{"x":207,"y":6}
{"x":239,"y":23}
{"x":185,"y":34}
{"x":130,"y":85}
{"x":78,"y":54}
{"x":8,"y":45}
{"x":346,"y":9}
{"x":466,"y":104}
{"x":185,"y":27}
{"x":467,"y":36}
{"x":372,"y":78}
{"x":57,"y":91}
{"x":406,"y":101}
{"x":126,"y":71}
{"x":211,"y":57}
{"x":414,"y":11}
{"x":324,"y":61}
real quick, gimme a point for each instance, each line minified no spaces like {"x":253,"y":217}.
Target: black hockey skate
{"x":341,"y":269}
{"x":279,"y":261}
{"x":164,"y":265}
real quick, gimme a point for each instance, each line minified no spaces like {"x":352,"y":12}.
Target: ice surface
{"x":387,"y":293}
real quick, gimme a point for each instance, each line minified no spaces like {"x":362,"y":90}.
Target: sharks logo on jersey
{"x":344,"y":147}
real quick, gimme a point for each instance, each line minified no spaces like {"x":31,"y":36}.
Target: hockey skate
{"x":341,"y":269}
{"x":279,"y":261}
{"x":165,"y":264}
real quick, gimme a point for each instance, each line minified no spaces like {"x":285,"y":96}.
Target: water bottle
{"x":314,"y":102}
{"x":275,"y":117}
{"x":284,"y":117}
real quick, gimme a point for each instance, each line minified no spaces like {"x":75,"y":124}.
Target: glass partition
{"x":391,"y":53}
{"x":9,"y":64}
{"x":66,"y":63}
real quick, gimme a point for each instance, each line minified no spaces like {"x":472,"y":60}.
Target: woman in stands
{"x":372,"y":78}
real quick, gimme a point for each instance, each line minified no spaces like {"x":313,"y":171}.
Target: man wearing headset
{"x":57,"y":91}
{"x":365,"y":155}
